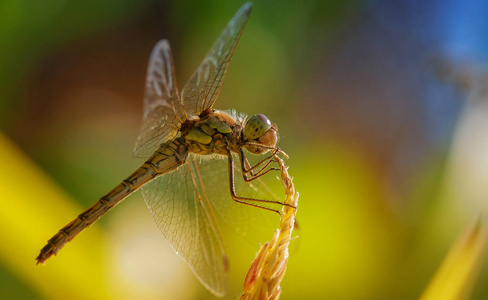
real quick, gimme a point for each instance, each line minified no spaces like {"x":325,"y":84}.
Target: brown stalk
{"x":268,"y":268}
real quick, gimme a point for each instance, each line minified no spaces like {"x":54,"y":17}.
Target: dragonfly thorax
{"x":220,"y":132}
{"x":216,"y":133}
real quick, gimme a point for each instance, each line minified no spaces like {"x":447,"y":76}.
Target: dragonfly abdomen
{"x":96,"y":211}
{"x":167,"y":158}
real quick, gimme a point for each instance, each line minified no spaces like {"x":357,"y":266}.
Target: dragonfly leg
{"x":249,"y":173}
{"x":245,"y":200}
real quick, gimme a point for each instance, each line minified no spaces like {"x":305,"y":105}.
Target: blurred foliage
{"x":33,"y":30}
{"x":380,"y":141}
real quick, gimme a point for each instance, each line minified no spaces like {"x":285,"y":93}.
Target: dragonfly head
{"x":258,"y":130}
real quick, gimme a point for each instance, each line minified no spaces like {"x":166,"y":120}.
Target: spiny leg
{"x":248,"y":172}
{"x":244,"y":200}
{"x":246,"y":167}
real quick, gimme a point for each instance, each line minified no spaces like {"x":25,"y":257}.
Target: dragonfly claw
{"x":278,"y":150}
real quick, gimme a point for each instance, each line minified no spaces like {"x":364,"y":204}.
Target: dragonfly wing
{"x":254,"y":224}
{"x":203,"y":87}
{"x":162,"y":107}
{"x":183,"y":213}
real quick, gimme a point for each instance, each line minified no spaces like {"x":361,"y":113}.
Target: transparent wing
{"x":183,"y":213}
{"x":162,"y":107}
{"x":254,"y":224}
{"x":203,"y":87}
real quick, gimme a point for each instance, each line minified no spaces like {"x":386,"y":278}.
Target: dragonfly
{"x":186,"y":143}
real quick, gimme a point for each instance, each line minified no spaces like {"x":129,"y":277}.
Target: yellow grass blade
{"x":32,"y":209}
{"x":456,"y":276}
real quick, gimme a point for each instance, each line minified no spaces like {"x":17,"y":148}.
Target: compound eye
{"x":256,"y":126}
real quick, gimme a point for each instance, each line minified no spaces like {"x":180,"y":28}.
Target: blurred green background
{"x":381,"y":106}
